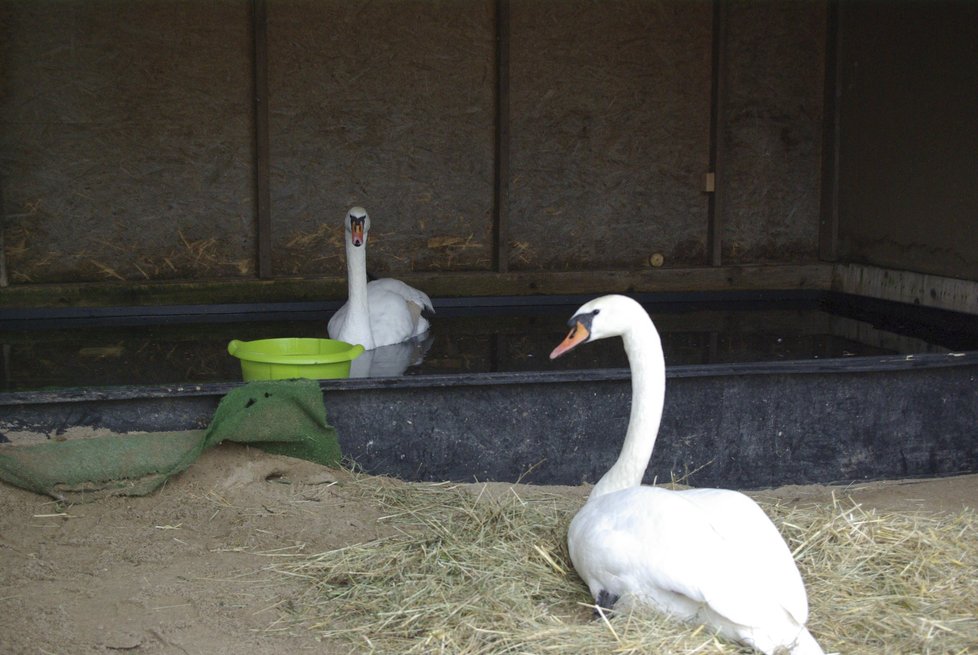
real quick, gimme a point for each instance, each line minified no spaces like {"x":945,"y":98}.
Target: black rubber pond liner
{"x":738,"y":426}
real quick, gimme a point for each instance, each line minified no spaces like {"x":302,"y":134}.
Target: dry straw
{"x":482,"y":569}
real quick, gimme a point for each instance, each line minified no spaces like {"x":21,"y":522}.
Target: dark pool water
{"x":46,"y":353}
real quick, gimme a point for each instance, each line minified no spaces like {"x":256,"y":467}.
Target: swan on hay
{"x":709,"y":556}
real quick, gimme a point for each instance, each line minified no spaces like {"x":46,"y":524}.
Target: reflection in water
{"x":461,"y":341}
{"x":392,"y":360}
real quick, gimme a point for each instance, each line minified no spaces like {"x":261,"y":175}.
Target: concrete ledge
{"x":738,"y":426}
{"x":907,"y":286}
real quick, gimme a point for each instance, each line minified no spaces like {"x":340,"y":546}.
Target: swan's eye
{"x":583,"y":320}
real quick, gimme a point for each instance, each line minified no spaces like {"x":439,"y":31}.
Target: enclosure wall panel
{"x":771,"y":127}
{"x":127,"y":137}
{"x":610,"y":111}
{"x":747,"y":426}
{"x":125,"y":140}
{"x":389,"y":106}
{"x":908,"y":161}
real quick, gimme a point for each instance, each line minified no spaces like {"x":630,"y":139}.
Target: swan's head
{"x":357,"y":224}
{"x":607,"y":316}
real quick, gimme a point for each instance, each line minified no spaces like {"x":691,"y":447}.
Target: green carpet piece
{"x":285,"y":417}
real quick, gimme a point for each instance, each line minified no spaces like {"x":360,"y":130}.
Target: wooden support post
{"x":3,"y":252}
{"x":262,"y":193}
{"x":714,"y":186}
{"x":502,"y":172}
{"x":828,"y":233}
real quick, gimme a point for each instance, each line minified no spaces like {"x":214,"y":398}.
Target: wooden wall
{"x":770,"y":141}
{"x":908,"y":136}
{"x":127,"y":135}
{"x":610,"y":133}
{"x":390,"y":106}
{"x":126,"y":140}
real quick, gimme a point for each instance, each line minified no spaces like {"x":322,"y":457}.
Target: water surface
{"x":81,"y":353}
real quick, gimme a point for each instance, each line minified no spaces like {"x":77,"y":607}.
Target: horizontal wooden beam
{"x":436,"y":284}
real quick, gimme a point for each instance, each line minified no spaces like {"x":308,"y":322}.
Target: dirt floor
{"x":183,"y":570}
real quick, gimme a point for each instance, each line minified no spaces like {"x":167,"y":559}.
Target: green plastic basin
{"x":285,"y":359}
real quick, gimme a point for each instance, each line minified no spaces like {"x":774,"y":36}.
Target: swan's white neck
{"x":358,"y":312}
{"x":647,"y":363}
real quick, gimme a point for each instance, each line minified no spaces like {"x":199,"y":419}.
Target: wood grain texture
{"x":771,"y":131}
{"x":126,"y":137}
{"x":389,"y":106}
{"x":611,"y":116}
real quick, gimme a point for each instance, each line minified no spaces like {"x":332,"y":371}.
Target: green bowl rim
{"x":240,"y":350}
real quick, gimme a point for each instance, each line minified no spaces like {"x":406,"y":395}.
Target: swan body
{"x":710,"y":556}
{"x":379,"y":313}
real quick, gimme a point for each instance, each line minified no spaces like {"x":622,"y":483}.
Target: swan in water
{"x":379,"y":313}
{"x":704,"y":555}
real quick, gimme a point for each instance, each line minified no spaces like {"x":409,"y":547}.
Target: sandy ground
{"x":181,"y":571}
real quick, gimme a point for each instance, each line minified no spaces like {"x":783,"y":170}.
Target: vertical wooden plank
{"x":714,"y":233}
{"x":3,"y":251}
{"x":502,"y":172}
{"x":828,"y":234}
{"x":262,"y":195}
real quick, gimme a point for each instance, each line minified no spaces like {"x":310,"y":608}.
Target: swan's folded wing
{"x":391,"y":319}
{"x":649,"y":537}
{"x":753,"y":543}
{"x":683,"y":552}
{"x":660,"y":539}
{"x":406,"y":291}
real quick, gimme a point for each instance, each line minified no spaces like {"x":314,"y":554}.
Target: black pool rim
{"x":739,"y":425}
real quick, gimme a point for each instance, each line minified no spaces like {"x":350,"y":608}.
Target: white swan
{"x":380,"y":313}
{"x":706,"y":555}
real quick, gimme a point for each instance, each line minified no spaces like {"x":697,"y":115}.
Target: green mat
{"x":283,"y":417}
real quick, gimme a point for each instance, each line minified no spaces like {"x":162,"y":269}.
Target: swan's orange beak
{"x":578,"y":335}
{"x":356,"y":232}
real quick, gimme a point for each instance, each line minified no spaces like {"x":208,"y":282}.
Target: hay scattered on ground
{"x":483,"y":569}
